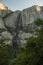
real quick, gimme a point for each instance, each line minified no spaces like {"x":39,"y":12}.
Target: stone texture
{"x":16,"y":27}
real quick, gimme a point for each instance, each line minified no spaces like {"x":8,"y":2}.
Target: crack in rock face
{"x":18,"y":28}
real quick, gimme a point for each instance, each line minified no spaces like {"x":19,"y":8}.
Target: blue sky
{"x":21,"y":4}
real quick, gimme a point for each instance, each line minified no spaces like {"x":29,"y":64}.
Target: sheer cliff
{"x":16,"y":27}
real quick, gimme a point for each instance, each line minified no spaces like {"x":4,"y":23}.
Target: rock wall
{"x":16,"y":27}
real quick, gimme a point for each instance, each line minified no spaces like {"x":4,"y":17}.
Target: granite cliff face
{"x":16,"y":27}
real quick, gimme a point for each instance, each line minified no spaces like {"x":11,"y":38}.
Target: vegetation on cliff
{"x":31,"y":54}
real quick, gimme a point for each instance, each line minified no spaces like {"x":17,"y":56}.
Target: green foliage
{"x":1,"y":30}
{"x":39,"y":22}
{"x":4,"y":55}
{"x":31,"y":54}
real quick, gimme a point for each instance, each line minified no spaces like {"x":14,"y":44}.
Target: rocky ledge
{"x":16,"y":27}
